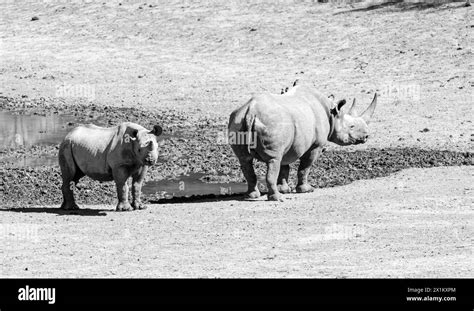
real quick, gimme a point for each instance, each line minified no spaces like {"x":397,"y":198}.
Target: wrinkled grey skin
{"x":107,"y":154}
{"x":294,"y":125}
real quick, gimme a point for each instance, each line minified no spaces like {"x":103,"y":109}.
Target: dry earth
{"x":417,"y":223}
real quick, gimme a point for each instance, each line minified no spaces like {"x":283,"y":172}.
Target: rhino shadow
{"x":203,"y":198}
{"x":404,"y":6}
{"x":58,"y":211}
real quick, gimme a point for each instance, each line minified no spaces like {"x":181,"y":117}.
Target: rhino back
{"x":292,"y":123}
{"x":90,"y":145}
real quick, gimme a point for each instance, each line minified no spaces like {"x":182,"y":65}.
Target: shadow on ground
{"x":58,"y":211}
{"x":404,"y":6}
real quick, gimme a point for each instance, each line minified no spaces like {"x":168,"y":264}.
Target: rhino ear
{"x":337,"y":109}
{"x":339,"y":106}
{"x":132,"y":136}
{"x":157,"y":130}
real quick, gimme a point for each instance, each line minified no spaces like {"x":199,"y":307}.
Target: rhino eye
{"x":352,"y":126}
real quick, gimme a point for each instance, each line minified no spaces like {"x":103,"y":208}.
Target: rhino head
{"x":349,"y":127}
{"x":145,"y":146}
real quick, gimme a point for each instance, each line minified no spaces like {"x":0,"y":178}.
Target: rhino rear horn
{"x":367,"y":115}
{"x":352,"y":111}
{"x":157,"y":130}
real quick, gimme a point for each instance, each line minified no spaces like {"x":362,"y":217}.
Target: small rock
{"x":34,"y":18}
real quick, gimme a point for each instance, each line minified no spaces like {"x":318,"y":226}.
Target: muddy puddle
{"x":18,"y":131}
{"x":27,"y":186}
{"x":23,"y":131}
{"x":192,"y":185}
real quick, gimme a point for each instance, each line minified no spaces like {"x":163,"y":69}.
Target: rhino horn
{"x":367,"y":114}
{"x":352,"y":111}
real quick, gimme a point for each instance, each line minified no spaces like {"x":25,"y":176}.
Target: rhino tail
{"x":252,"y":124}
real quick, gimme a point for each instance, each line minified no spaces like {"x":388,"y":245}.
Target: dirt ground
{"x":206,"y":58}
{"x":188,"y":64}
{"x":417,"y":223}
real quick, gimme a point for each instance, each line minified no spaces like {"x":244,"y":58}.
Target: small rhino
{"x":107,"y":154}
{"x":280,"y":129}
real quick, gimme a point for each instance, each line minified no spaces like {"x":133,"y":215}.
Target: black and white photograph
{"x":239,"y":139}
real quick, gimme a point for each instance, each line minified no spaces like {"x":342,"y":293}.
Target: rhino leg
{"x":137,"y":182}
{"x":120,"y":177}
{"x":282,"y":182}
{"x":273,"y":170}
{"x":249,"y":173}
{"x":306,"y":162}
{"x":70,"y":174}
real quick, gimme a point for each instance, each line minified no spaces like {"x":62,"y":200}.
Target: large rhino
{"x":279,"y":129}
{"x":107,"y":154}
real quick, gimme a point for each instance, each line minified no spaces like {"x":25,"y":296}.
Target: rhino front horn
{"x":367,"y":115}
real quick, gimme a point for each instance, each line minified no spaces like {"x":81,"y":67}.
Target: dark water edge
{"x":41,"y":185}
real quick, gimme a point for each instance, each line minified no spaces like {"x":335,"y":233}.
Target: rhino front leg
{"x":273,"y":170}
{"x":306,"y":162}
{"x":137,"y":182}
{"x":283,"y":179}
{"x":120,"y":177}
{"x":249,"y":173}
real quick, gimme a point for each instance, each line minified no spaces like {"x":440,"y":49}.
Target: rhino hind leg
{"x":273,"y":170}
{"x":70,"y":175}
{"x":251,"y":177}
{"x":304,"y":168}
{"x":246,"y":165}
{"x":282,"y":182}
